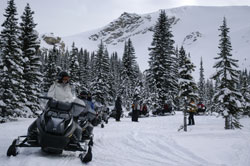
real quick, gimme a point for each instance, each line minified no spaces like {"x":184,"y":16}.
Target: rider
{"x":61,"y":89}
{"x":86,"y":98}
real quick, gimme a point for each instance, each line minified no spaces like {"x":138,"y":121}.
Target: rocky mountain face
{"x":191,"y":38}
{"x":50,"y":40}
{"x":126,"y":26}
{"x":194,"y":27}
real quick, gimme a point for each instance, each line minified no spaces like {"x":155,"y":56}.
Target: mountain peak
{"x":124,"y":26}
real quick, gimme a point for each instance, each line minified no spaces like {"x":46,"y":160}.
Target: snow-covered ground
{"x":153,"y":141}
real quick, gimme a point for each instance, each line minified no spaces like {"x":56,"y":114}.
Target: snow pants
{"x":191,"y":119}
{"x":118,"y":115}
{"x":135,"y":115}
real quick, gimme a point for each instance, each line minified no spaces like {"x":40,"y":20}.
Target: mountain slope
{"x":194,"y":27}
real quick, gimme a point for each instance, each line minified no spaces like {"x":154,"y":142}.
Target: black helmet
{"x":61,"y":75}
{"x":83,"y":94}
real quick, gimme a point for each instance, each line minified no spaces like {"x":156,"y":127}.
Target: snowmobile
{"x":56,"y":129}
{"x":201,"y":110}
{"x":164,"y":111}
{"x":102,"y":115}
{"x":142,"y":113}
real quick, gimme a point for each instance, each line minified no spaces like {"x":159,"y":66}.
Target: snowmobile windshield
{"x":77,"y":109}
{"x":60,"y":115}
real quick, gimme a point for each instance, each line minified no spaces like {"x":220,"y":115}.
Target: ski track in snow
{"x":153,"y":141}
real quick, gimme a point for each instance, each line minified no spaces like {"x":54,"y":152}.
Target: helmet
{"x":83,"y":94}
{"x":61,"y":75}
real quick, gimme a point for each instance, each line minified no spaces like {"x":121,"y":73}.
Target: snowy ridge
{"x":194,"y":27}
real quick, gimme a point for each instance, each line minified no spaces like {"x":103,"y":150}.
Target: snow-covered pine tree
{"x":50,"y":70}
{"x":11,"y":69}
{"x":188,"y":87}
{"x":209,"y":93}
{"x":101,"y":69}
{"x":115,"y":72}
{"x":29,"y":44}
{"x":92,"y":66}
{"x":227,"y":97}
{"x":65,"y":61}
{"x":201,"y":83}
{"x":162,"y":58}
{"x":84,"y":61}
{"x":145,"y":91}
{"x":245,"y":91}
{"x":107,"y":80}
{"x":248,"y":77}
{"x":129,"y":74}
{"x":74,"y":69}
{"x":176,"y":90}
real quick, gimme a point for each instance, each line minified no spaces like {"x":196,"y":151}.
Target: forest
{"x":27,"y":72}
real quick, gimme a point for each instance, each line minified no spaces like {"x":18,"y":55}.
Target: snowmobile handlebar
{"x":51,"y":98}
{"x":75,"y":105}
{"x":45,"y":97}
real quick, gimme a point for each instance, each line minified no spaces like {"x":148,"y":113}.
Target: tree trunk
{"x":227,"y":124}
{"x":185,"y":117}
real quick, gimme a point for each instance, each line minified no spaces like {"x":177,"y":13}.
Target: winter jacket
{"x":118,"y":105}
{"x":192,"y":107}
{"x":61,"y":92}
{"x":135,"y":106}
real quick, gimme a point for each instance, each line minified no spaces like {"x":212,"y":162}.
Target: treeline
{"x":27,"y":72}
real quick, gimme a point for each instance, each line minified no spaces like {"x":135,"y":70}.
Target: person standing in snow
{"x":191,"y":110}
{"x":61,"y":90}
{"x":144,"y":109}
{"x":118,"y":108}
{"x":135,"y":109}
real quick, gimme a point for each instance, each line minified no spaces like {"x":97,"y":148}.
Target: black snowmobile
{"x":56,"y":129}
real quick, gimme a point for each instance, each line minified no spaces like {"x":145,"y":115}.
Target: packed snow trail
{"x":153,"y":141}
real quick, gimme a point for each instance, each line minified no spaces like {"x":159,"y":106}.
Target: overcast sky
{"x":67,"y":17}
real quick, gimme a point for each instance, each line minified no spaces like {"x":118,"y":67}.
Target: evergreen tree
{"x":145,"y":91}
{"x":74,"y":68}
{"x":65,"y":61}
{"x":50,"y":70}
{"x":11,"y":67}
{"x":245,"y":91}
{"x":187,"y":84}
{"x":115,"y":72}
{"x":99,"y":87}
{"x":201,"y":83}
{"x":129,"y":74}
{"x":227,"y":97}
{"x":161,"y":63}
{"x":84,"y":61}
{"x":31,"y":68}
{"x":107,"y":80}
{"x":209,"y":93}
